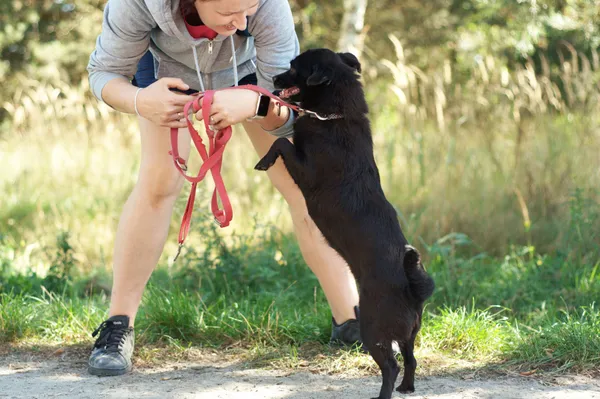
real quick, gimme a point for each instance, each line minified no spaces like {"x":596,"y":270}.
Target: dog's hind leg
{"x":410,"y":365}
{"x":384,"y":357}
{"x":379,"y":346}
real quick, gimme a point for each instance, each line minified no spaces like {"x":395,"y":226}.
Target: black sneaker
{"x":348,"y":333}
{"x":112,"y":350}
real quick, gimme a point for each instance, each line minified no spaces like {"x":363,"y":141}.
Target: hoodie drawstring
{"x":235,"y":71}
{"x":198,"y":68}
{"x":235,"y":66}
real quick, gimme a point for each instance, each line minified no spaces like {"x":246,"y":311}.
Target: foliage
{"x":47,"y":40}
{"x":50,"y":40}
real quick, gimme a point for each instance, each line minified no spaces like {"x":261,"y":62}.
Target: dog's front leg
{"x":284,"y":148}
{"x":294,"y":161}
{"x":271,"y":156}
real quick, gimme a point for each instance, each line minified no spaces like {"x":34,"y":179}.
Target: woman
{"x":195,"y":45}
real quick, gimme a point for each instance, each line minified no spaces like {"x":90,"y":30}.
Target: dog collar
{"x":327,"y":117}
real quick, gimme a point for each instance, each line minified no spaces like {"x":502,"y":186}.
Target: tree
{"x":352,"y":30}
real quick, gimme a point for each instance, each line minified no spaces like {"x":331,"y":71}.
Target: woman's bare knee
{"x":159,"y":182}
{"x":278,"y":174}
{"x":159,"y":189}
{"x":283,"y":182}
{"x":303,"y":223}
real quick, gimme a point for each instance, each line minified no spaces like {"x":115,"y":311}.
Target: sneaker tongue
{"x":120,"y":321}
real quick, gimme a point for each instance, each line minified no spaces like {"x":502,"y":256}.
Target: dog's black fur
{"x":332,"y":162}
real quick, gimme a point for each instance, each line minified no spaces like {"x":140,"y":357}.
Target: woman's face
{"x":225,"y":16}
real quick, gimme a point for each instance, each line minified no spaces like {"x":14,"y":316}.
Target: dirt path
{"x":55,"y":378}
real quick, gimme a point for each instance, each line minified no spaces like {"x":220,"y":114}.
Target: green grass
{"x":570,"y":339}
{"x":181,"y":318}
{"x":260,"y":295}
{"x":167,"y":315}
{"x":527,"y":283}
{"x":263,"y":318}
{"x":49,"y":317}
{"x":471,"y":334}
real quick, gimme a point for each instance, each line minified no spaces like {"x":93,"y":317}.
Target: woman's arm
{"x":124,"y":39}
{"x":274,"y":120}
{"x":156,"y":102}
{"x":119,"y":93}
{"x":276,"y":45}
{"x":234,"y":106}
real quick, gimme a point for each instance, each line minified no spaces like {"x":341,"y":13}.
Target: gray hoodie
{"x":131,"y":27}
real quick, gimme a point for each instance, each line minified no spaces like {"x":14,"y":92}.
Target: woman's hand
{"x":230,"y":107}
{"x":162,"y":106}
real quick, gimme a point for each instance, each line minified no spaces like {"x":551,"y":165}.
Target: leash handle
{"x":212,"y":159}
{"x":217,"y":146}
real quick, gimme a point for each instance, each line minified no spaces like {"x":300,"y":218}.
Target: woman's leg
{"x":146,"y":216}
{"x":139,"y":241}
{"x":332,"y":271}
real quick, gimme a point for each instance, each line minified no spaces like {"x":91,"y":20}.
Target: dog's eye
{"x":292,"y":71}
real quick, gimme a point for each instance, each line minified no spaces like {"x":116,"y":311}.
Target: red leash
{"x":212,"y":160}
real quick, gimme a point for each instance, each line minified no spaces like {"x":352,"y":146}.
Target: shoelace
{"x":111,"y":336}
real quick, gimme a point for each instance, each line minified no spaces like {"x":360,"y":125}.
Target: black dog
{"x":332,"y":162}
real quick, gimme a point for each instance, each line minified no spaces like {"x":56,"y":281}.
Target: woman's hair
{"x":187,"y":7}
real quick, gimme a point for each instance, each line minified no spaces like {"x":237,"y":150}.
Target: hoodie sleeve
{"x":124,"y":39}
{"x":276,"y":45}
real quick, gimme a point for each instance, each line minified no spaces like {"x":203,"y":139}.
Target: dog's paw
{"x":264,"y":164}
{"x":402,"y":388}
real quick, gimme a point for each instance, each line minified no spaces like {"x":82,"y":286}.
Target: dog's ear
{"x":319,"y":77}
{"x":351,"y":60}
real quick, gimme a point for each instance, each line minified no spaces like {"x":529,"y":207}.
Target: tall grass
{"x":570,"y":340}
{"x":499,"y":156}
{"x":463,"y":150}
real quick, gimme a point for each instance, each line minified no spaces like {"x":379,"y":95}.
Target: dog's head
{"x":315,"y":70}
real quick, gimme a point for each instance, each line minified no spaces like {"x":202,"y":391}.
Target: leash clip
{"x":313,"y":113}
{"x":178,"y":252}
{"x":182,"y":165}
{"x":322,"y":118}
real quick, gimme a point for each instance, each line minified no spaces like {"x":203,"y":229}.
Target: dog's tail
{"x":420,"y":283}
